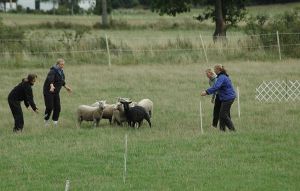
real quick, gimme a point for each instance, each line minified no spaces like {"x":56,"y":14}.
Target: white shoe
{"x":46,"y":122}
{"x":55,"y":123}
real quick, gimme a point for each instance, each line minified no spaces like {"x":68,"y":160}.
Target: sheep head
{"x":126,"y":104}
{"x":123,"y":99}
{"x":102,"y":104}
{"x":119,"y":106}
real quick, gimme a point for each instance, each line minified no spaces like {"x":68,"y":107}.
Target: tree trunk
{"x":104,"y":13}
{"x":10,"y":4}
{"x":72,"y":8}
{"x":37,"y":4}
{"x":220,"y":30}
{"x":53,"y":3}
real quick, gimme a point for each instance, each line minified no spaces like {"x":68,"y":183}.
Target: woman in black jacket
{"x":22,"y":92}
{"x":55,"y":80}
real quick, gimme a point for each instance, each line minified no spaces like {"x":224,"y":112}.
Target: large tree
{"x":225,"y":13}
{"x":104,"y":13}
{"x":103,"y":8}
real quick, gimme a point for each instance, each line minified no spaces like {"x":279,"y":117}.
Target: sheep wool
{"x":147,"y":104}
{"x":135,"y":115}
{"x":90,"y":113}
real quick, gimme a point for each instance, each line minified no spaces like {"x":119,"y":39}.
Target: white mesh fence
{"x":272,"y":91}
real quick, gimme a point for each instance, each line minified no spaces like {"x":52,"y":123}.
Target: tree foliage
{"x":225,"y":12}
{"x":233,"y":10}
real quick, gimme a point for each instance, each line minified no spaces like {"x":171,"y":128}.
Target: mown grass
{"x":173,"y":155}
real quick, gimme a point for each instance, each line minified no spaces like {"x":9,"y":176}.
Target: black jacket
{"x":23,"y":92}
{"x":55,"y":77}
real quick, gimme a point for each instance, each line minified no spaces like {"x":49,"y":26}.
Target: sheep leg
{"x":148,"y":120}
{"x":79,"y":120}
{"x":97,"y":122}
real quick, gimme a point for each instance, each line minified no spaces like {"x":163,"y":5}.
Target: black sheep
{"x":135,"y":114}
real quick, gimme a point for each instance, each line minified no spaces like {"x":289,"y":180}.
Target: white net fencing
{"x":272,"y":91}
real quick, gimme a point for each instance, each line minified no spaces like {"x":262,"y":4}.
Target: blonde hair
{"x":58,"y":61}
{"x":221,"y":68}
{"x":209,"y":70}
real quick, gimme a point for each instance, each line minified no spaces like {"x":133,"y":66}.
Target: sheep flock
{"x":124,"y":111}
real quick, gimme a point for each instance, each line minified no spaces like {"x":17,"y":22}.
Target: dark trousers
{"x":216,"y":113}
{"x":16,"y":110}
{"x":52,"y":103}
{"x":225,"y":119}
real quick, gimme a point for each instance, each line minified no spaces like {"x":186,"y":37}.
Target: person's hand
{"x":68,"y":89}
{"x":52,"y":88}
{"x":203,"y":93}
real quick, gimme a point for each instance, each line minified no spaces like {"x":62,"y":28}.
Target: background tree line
{"x":71,"y":6}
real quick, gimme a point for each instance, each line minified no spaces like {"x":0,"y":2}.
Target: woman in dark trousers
{"x":55,"y":80}
{"x":212,"y":79}
{"x":226,"y":95}
{"x":22,"y":92}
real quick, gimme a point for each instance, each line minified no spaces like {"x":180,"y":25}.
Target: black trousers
{"x":225,"y":119}
{"x":16,"y":110}
{"x":216,"y":113}
{"x":52,"y":103}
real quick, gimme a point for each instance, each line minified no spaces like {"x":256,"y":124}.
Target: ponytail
{"x":222,"y":69}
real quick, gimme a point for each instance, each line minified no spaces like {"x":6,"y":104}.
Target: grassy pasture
{"x":133,"y":47}
{"x":173,"y":155}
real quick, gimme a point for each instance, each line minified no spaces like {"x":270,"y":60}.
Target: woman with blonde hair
{"x":226,"y":94}
{"x":54,"y":81}
{"x":212,"y":79}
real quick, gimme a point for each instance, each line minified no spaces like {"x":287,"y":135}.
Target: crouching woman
{"x":22,"y":92}
{"x":226,"y":94}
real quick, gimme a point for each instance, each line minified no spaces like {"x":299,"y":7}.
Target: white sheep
{"x":107,"y":112}
{"x":90,"y":113}
{"x":147,"y":104}
{"x":119,"y":114}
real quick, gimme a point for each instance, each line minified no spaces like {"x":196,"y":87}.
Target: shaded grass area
{"x":173,"y":155}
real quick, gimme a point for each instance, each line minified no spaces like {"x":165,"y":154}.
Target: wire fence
{"x":146,"y":49}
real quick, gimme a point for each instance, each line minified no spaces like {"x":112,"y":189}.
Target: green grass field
{"x":173,"y":155}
